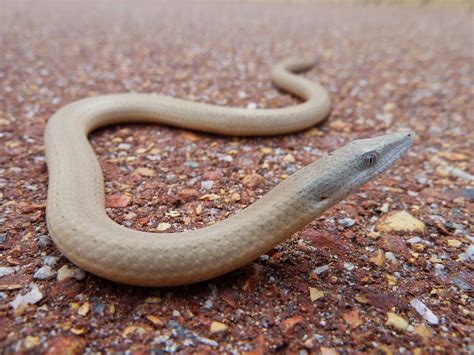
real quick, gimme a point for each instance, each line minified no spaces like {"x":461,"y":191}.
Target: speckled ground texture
{"x":349,"y":282}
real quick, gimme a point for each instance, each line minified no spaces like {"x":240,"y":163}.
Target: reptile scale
{"x":81,"y":229}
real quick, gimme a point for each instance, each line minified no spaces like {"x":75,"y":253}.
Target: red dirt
{"x":386,"y":68}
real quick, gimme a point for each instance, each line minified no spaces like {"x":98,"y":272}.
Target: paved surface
{"x":355,"y":279}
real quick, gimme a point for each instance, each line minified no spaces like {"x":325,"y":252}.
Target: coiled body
{"x":82,"y":230}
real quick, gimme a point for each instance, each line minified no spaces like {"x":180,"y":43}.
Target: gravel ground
{"x":387,"y":270}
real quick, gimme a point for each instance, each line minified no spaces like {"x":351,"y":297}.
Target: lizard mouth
{"x":386,"y":160}
{"x":392,"y":156}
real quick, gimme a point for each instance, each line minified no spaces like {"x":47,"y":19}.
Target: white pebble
{"x":124,"y":146}
{"x":320,"y":269}
{"x":349,"y":266}
{"x":242,"y":94}
{"x":44,"y":273}
{"x":31,"y":297}
{"x":415,"y":240}
{"x":390,"y":256}
{"x":50,"y":260}
{"x":7,"y":270}
{"x":346,"y":222}
{"x":424,"y":311}
{"x":207,"y":184}
{"x":458,"y":173}
{"x":226,"y":158}
{"x":439,"y":270}
{"x":468,"y":255}
{"x":66,"y":272}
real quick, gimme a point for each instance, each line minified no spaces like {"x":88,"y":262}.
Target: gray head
{"x":346,"y":169}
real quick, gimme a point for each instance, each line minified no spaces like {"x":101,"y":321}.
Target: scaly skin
{"x":82,"y":230}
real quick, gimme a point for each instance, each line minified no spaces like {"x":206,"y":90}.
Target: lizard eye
{"x":370,"y":159}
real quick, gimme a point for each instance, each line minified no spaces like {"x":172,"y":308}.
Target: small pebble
{"x":7,"y":270}
{"x":163,"y":226}
{"x":124,"y":146}
{"x":415,"y":240}
{"x":454,"y":243}
{"x":218,"y":327}
{"x":378,"y":259}
{"x":188,"y":342}
{"x":397,"y":322}
{"x":349,"y":266}
{"x":390,"y":256}
{"x":132,"y":329}
{"x":252,"y":181}
{"x":191,"y":164}
{"x":315,"y":294}
{"x":461,"y":283}
{"x":50,"y":260}
{"x":453,"y":171}
{"x":173,"y":213}
{"x":32,"y":297}
{"x":468,"y":255}
{"x":98,"y":308}
{"x":43,"y":273}
{"x":207,"y":184}
{"x":208,"y":305}
{"x":227,"y":158}
{"x":65,"y":272}
{"x":117,"y":201}
{"x":400,"y":221}
{"x":439,"y":270}
{"x":320,"y":269}
{"x":145,"y":172}
{"x":424,"y":311}
{"x":84,"y":309}
{"x":207,"y":341}
{"x":44,"y":241}
{"x":289,"y":158}
{"x":129,"y":216}
{"x":31,"y":342}
{"x":154,"y":319}
{"x":346,"y":222}
{"x":385,"y":208}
